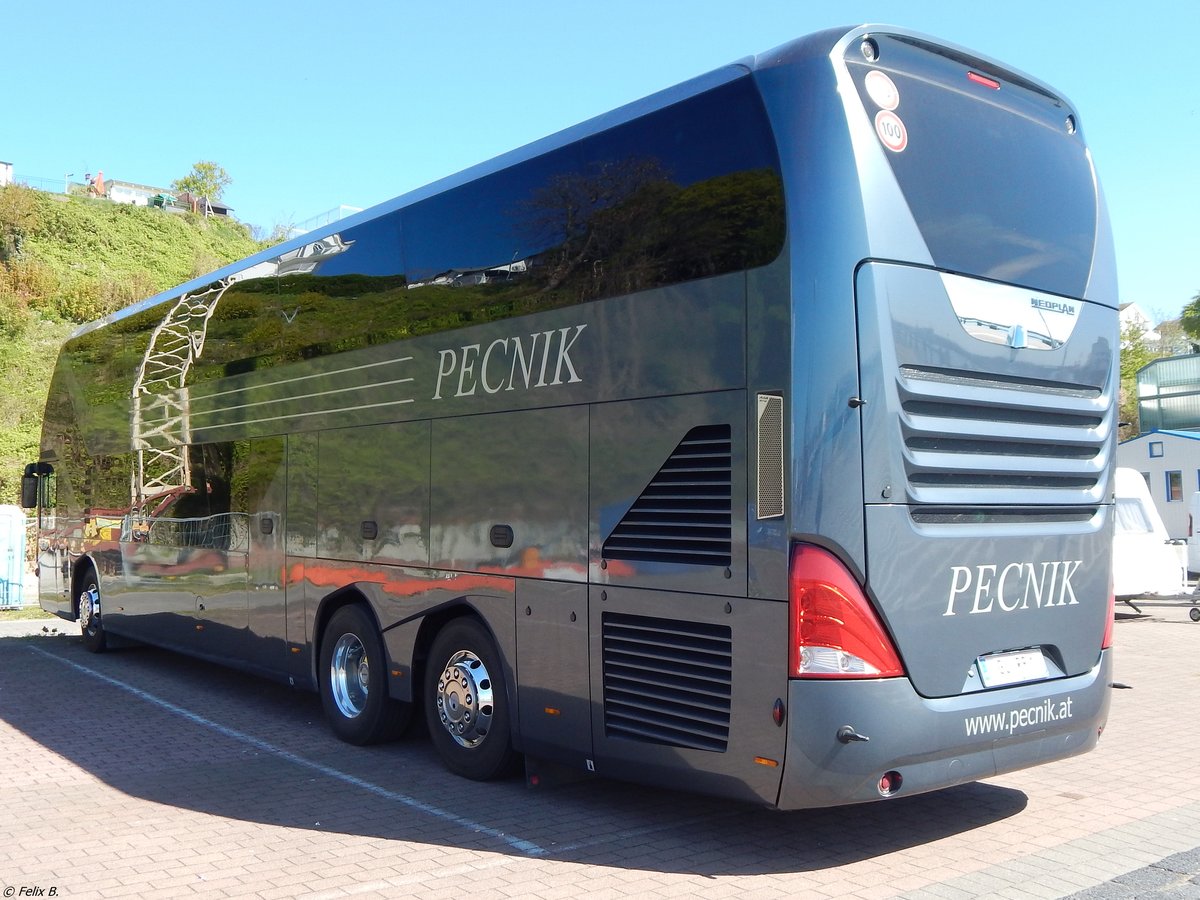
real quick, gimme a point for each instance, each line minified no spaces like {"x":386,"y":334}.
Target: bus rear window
{"x":998,"y":183}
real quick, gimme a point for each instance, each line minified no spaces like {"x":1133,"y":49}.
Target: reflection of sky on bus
{"x":311,"y":107}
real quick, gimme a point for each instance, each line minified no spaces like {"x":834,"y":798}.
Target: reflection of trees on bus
{"x":606,"y":230}
{"x":627,"y":227}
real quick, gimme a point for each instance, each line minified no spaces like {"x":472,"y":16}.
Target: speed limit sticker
{"x":891,"y":130}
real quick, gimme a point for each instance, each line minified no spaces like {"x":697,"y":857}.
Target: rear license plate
{"x":1013,"y":667}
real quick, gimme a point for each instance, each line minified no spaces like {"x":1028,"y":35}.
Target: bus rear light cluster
{"x":1107,"y":641}
{"x":834,"y":632}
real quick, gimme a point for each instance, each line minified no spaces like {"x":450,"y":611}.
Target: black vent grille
{"x":1035,"y":516}
{"x":685,"y":513}
{"x":667,"y":682}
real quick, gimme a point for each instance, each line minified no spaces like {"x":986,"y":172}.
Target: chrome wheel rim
{"x":89,"y":609}
{"x":464,"y":699}
{"x":350,"y":675}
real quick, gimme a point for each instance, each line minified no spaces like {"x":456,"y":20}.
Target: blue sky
{"x":311,"y":105}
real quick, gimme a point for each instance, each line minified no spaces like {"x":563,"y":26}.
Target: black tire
{"x":353,"y":680}
{"x":1194,"y":613}
{"x":91,"y":623}
{"x":466,"y":703}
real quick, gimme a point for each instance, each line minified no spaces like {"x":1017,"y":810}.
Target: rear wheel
{"x":466,"y":705}
{"x":91,"y":626}
{"x":353,"y":678}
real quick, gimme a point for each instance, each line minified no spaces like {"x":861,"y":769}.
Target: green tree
{"x":207,"y":179}
{"x":1190,"y":318}
{"x":1134,"y":355}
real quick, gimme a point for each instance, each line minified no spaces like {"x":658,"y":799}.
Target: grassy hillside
{"x":68,"y":260}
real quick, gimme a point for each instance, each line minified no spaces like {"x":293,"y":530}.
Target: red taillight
{"x":1112,"y":615}
{"x":984,"y":80}
{"x":834,"y":631}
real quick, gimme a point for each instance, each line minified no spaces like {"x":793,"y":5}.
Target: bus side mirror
{"x":29,"y":491}
{"x":35,"y":491}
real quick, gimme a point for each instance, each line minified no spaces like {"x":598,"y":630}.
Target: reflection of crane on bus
{"x":160,"y":404}
{"x":160,"y":416}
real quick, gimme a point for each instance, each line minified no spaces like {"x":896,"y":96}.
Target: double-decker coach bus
{"x":754,"y":438}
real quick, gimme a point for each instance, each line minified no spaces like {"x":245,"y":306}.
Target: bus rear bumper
{"x":931,"y":743}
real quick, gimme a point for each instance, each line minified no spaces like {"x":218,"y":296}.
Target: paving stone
{"x":108,"y":793}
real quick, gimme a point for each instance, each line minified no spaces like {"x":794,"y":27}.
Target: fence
{"x":49,"y":185}
{"x":331,"y":215}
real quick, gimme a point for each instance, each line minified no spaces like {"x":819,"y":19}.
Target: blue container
{"x":12,"y":556}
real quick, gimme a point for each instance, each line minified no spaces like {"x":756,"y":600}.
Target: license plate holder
{"x":1012,"y":667}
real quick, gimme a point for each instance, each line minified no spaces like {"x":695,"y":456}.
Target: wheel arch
{"x":431,"y":626}
{"x":467,"y":608}
{"x":466,"y":612}
{"x":79,"y":572}
{"x":329,"y":605}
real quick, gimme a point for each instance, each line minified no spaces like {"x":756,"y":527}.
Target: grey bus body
{"x":559,"y":436}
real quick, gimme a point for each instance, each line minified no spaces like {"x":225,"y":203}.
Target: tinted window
{"x":686,"y":192}
{"x":338,"y":293}
{"x":997,"y":185}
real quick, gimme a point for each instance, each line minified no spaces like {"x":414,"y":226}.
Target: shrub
{"x":15,"y":315}
{"x":31,"y":279}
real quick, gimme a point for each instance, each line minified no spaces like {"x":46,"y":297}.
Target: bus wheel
{"x":353,"y":677}
{"x":91,"y":628}
{"x":466,"y":705}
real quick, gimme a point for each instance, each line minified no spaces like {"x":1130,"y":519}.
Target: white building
{"x":1170,"y":463}
{"x":1131,"y":315}
{"x":135,"y":194}
{"x":5,"y":173}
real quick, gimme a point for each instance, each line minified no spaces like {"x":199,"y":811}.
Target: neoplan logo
{"x":1067,"y":309}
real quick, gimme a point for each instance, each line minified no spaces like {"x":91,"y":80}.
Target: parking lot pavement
{"x":144,"y":774}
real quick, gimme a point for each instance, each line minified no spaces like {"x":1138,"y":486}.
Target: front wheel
{"x":91,"y":626}
{"x":466,"y":705}
{"x":353,"y":678}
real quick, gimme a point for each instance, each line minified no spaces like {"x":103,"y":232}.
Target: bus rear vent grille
{"x":666,"y":681}
{"x":685,"y":513}
{"x":972,"y":438}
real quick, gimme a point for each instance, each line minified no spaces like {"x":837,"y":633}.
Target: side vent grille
{"x":685,"y":513}
{"x":667,"y":682}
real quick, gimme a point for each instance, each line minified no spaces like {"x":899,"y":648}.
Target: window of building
{"x":1156,"y":449}
{"x":1174,"y":486}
